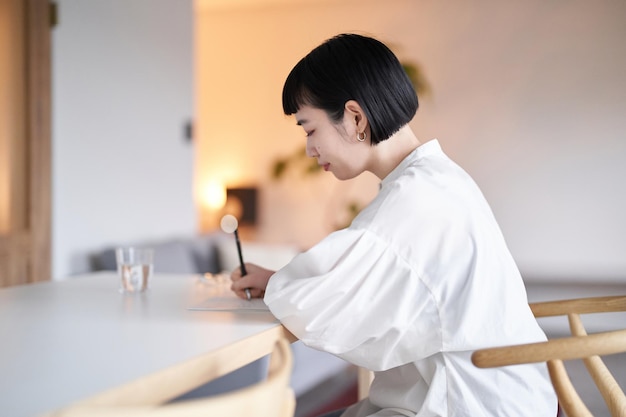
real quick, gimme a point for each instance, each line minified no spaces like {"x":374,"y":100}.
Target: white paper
{"x":230,"y":303}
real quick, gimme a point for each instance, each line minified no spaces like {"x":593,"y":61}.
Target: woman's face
{"x":333,"y":144}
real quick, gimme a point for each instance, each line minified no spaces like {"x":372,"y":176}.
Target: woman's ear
{"x":356,"y":113}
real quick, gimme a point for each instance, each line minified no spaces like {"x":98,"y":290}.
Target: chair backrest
{"x":588,"y":347}
{"x":272,"y":397}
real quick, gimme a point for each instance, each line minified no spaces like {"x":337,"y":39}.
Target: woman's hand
{"x":255,"y":280}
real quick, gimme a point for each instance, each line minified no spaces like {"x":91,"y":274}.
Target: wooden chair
{"x":271,"y":397}
{"x":588,"y":347}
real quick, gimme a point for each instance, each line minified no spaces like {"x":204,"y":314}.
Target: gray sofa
{"x":214,"y":253}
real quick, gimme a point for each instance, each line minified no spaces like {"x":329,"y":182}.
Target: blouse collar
{"x":426,"y":149}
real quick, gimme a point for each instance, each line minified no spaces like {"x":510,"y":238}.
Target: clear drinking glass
{"x":134,"y":266}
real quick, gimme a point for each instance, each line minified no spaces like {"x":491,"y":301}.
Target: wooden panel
{"x":12,"y":116}
{"x":39,"y":133}
{"x":15,"y":258}
{"x":25,"y":141}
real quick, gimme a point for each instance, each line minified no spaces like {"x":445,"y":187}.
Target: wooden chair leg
{"x":569,"y":399}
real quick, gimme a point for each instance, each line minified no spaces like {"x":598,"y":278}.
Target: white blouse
{"x":420,"y":279}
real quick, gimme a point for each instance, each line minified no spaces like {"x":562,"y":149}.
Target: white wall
{"x":528,"y":96}
{"x":122,"y":90}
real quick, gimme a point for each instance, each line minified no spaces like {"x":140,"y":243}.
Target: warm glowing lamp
{"x":214,"y":195}
{"x":212,"y":198}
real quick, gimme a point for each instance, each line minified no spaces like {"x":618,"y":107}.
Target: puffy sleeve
{"x":353,"y":296}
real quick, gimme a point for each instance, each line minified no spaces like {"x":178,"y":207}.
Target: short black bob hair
{"x":353,"y":67}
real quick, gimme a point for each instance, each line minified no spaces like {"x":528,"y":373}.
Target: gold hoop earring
{"x":361,"y":138}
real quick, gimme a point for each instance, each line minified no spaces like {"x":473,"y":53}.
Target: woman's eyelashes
{"x":309,"y":133}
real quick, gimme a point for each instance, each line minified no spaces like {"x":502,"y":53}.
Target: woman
{"x":422,"y":277}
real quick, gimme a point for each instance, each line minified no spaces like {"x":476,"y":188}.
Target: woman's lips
{"x":326,"y":166}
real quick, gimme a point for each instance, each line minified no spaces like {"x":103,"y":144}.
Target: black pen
{"x":230,"y":224}
{"x":243,"y":266}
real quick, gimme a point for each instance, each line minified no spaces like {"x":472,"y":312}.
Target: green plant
{"x":417,"y":77}
{"x":305,"y":164}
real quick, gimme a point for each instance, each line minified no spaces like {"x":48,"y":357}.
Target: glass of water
{"x":134,"y":266}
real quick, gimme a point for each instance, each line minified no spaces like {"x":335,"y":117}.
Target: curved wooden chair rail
{"x":580,"y":345}
{"x":272,"y":397}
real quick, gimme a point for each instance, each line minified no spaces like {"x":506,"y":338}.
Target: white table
{"x":69,"y":340}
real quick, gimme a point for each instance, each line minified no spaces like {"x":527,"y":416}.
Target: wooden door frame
{"x":27,"y":248}
{"x":39,"y":135}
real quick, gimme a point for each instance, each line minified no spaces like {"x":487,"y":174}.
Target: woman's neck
{"x":388,"y":154}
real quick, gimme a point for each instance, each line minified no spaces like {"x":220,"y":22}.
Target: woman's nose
{"x":311,"y":150}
